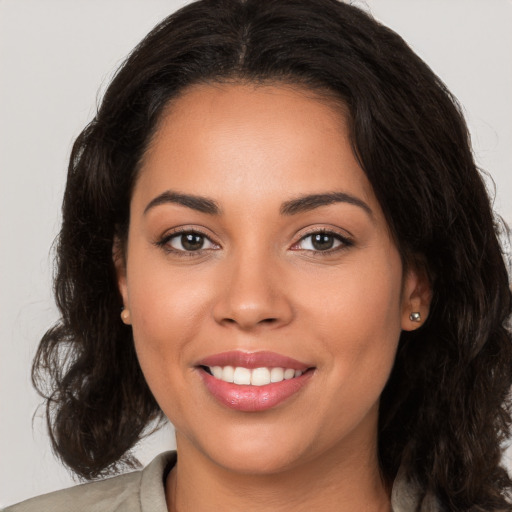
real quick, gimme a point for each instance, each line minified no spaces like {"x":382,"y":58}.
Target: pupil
{"x":322,"y":242}
{"x":191,"y":241}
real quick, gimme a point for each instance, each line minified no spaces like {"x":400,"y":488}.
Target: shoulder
{"x":407,"y":494}
{"x":106,"y":495}
{"x":139,"y":491}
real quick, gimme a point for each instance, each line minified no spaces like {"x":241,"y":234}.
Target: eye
{"x":322,"y":241}
{"x":188,"y":241}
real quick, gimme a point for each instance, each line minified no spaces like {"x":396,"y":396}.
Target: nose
{"x":253,"y":295}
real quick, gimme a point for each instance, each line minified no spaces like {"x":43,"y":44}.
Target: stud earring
{"x":415,"y":316}
{"x":125,"y":316}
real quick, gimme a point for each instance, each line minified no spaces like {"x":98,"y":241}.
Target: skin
{"x":259,"y":284}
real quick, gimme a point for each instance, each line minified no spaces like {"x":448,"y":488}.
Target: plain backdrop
{"x":55,"y":55}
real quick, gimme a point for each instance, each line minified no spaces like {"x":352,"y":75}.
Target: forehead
{"x":227,"y":139}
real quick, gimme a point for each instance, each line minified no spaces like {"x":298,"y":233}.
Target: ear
{"x":119,"y":259}
{"x":416,"y":298}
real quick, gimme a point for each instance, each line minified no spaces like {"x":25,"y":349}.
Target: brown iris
{"x":192,"y":241}
{"x":322,"y":241}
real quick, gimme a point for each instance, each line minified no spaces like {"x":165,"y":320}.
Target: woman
{"x":274,"y":234}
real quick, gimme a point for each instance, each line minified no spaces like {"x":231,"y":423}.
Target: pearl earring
{"x":415,"y":316}
{"x":125,"y":316}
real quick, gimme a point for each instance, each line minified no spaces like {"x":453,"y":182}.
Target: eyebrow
{"x":310,"y":202}
{"x":199,"y":203}
{"x":300,"y":204}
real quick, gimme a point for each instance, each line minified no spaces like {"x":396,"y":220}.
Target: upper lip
{"x":253,"y":360}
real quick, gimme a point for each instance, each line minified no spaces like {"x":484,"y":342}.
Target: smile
{"x":252,"y":382}
{"x":254,"y":377}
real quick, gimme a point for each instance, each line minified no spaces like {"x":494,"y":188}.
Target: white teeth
{"x":228,"y":373}
{"x":289,"y":373}
{"x":276,"y":375}
{"x":260,"y":377}
{"x":242,"y":375}
{"x":255,"y":377}
{"x":217,"y":371}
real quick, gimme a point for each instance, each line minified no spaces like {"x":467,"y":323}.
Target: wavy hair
{"x":445,"y":411}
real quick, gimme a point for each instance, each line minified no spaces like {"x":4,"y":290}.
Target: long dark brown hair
{"x":445,"y":412}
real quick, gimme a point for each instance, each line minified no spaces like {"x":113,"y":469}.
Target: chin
{"x":256,"y":461}
{"x":251,"y":450}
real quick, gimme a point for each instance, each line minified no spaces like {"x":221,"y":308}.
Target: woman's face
{"x":256,"y":242}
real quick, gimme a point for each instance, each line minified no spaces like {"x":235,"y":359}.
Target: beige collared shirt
{"x":144,"y":491}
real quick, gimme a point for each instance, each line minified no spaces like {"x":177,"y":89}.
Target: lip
{"x":253,"y":360}
{"x":247,"y":398}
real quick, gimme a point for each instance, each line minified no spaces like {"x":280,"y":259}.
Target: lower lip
{"x":253,"y":398}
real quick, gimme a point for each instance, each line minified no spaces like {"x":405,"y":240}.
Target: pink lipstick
{"x":253,"y":381}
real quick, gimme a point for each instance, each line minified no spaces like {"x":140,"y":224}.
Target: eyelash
{"x":163,"y":243}
{"x":345,"y":242}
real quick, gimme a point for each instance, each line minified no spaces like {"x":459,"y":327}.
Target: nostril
{"x":263,"y":321}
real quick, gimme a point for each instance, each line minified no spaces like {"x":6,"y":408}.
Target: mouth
{"x":253,"y":377}
{"x":253,"y":382}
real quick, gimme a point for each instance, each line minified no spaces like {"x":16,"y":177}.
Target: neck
{"x":338,"y":480}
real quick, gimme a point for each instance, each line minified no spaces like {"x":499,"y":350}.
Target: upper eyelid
{"x":345,"y":240}
{"x":182,"y":230}
{"x":344,"y":237}
{"x":163,"y":240}
{"x":328,"y":231}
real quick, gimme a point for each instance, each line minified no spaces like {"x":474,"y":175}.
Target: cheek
{"x":164,"y":321}
{"x":357,"y":316}
{"x":165,"y":310}
{"x":161,"y":293}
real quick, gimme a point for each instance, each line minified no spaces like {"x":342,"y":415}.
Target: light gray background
{"x":55,"y":55}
